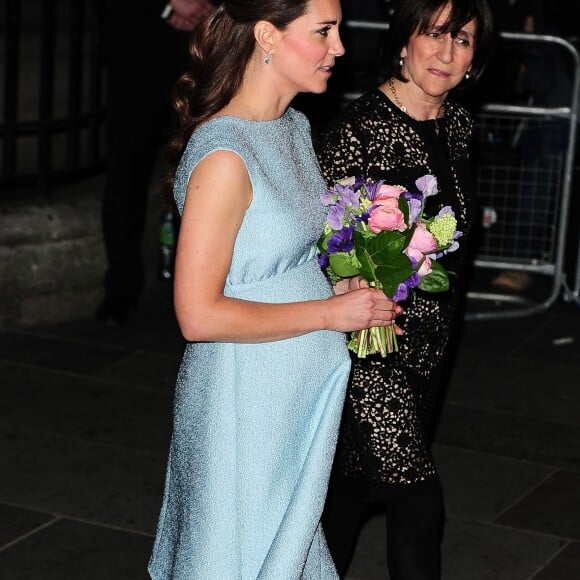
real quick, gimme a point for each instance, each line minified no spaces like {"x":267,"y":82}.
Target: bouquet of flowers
{"x":379,"y":231}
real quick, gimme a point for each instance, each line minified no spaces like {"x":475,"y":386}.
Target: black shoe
{"x":115,"y":308}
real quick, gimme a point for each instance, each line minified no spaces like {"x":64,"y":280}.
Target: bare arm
{"x":218,"y":194}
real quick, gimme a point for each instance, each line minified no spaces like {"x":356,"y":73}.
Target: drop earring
{"x":467,"y":73}
{"x":401,"y":62}
{"x":267,"y":58}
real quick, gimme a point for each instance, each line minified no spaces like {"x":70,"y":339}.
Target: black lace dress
{"x":383,"y":446}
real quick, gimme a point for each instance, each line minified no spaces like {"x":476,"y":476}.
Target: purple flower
{"x":328,"y":197}
{"x":373,"y":188}
{"x":415,"y":203}
{"x":323,"y":261}
{"x":364,"y":217}
{"x":349,"y":196}
{"x":412,"y":195}
{"x":413,"y":280}
{"x":358,"y":182}
{"x":427,"y":185}
{"x":402,"y":292}
{"x":342,"y":241}
{"x":446,"y":210}
{"x":336,"y":216}
{"x":452,"y":248}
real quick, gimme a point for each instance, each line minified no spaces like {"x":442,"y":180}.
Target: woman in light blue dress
{"x":261,"y":386}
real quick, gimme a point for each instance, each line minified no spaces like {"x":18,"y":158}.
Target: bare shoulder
{"x":221,"y":173}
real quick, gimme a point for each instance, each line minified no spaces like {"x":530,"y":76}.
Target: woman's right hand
{"x":187,"y":14}
{"x":360,"y":309}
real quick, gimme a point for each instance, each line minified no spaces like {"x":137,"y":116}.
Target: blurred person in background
{"x":146,"y":48}
{"x":536,"y":74}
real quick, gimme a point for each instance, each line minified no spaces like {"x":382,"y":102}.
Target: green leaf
{"x":408,"y":234}
{"x":323,"y":241}
{"x":392,"y":274}
{"x":377,"y":245}
{"x":382,"y":260}
{"x":437,"y":280}
{"x":404,"y":207}
{"x":344,"y":264}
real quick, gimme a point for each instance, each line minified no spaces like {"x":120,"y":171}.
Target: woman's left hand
{"x":350,"y":284}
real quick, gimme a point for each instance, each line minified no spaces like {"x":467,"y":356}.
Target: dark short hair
{"x":412,"y":16}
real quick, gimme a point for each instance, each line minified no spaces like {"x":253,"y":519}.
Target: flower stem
{"x":377,"y":339}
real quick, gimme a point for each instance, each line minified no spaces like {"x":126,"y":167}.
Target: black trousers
{"x":145,"y":57}
{"x":414,"y":530}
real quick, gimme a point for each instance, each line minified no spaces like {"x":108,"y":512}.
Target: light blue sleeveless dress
{"x":255,"y":425}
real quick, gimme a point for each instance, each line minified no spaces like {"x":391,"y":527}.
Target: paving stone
{"x":565,"y":566}
{"x":148,"y":332}
{"x":475,"y":551}
{"x":73,"y":478}
{"x":530,"y":337}
{"x":470,"y":551}
{"x":501,"y":335}
{"x":85,"y":408}
{"x":152,"y":327}
{"x":558,"y":342}
{"x":552,"y":508}
{"x":15,"y":522}
{"x":63,"y":354}
{"x":508,"y":435}
{"x":494,"y":382}
{"x":479,"y":487}
{"x":69,"y":550}
{"x":151,"y":370}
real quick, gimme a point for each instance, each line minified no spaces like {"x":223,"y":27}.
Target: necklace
{"x":440,"y":110}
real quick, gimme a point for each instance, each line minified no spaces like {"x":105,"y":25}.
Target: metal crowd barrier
{"x":573,"y":294}
{"x":523,"y":179}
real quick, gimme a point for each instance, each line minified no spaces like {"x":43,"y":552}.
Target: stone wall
{"x":51,"y":255}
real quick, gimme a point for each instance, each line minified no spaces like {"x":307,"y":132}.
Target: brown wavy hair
{"x":219,"y":49}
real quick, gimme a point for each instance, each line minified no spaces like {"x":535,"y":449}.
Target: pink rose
{"x":392,"y":202}
{"x":392,"y":191}
{"x":423,"y":239}
{"x":425,"y":267}
{"x":387,"y":218}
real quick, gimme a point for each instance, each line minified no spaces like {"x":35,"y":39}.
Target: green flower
{"x":443,"y":228}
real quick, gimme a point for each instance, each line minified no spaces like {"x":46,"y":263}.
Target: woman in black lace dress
{"x":402,"y":130}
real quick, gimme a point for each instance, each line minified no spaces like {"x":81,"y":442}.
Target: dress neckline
{"x":427,"y":124}
{"x":282,"y":118}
